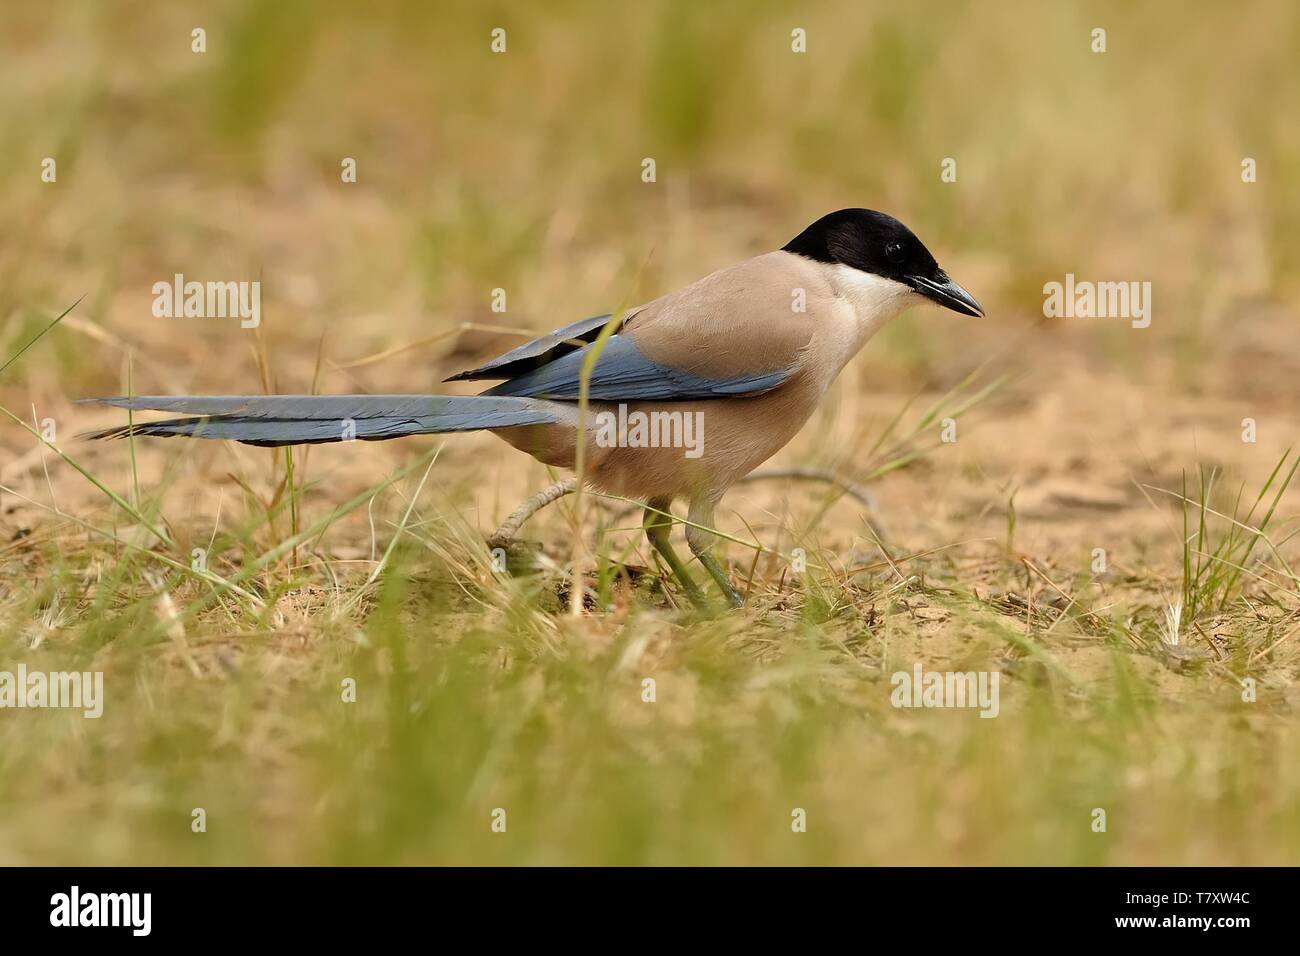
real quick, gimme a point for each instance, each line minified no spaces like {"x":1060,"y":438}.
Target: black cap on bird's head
{"x":879,"y":244}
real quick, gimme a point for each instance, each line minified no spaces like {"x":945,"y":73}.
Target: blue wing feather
{"x":624,"y":374}
{"x":539,"y":351}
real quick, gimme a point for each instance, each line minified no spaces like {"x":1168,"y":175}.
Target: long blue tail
{"x":272,"y":420}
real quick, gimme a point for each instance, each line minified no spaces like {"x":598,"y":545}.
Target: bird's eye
{"x":894,"y":252}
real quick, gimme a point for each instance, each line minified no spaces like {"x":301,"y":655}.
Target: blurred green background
{"x":522,"y":170}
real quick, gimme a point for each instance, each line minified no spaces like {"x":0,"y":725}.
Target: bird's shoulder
{"x":755,"y":316}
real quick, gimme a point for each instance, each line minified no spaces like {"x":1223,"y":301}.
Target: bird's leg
{"x":700,"y":541}
{"x":504,"y":535}
{"x":657,"y":529}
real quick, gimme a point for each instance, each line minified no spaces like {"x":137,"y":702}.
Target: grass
{"x":315,"y":647}
{"x":460,"y":712}
{"x":1213,"y":565}
{"x":466,"y":704}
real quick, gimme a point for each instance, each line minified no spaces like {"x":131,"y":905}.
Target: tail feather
{"x":273,"y":420}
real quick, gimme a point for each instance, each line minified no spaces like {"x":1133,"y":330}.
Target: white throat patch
{"x":863,"y":304}
{"x":874,"y":299}
{"x":870,"y":294}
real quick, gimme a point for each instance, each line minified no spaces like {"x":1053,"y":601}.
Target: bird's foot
{"x":722,"y":579}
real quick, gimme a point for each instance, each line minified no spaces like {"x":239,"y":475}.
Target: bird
{"x":746,"y":352}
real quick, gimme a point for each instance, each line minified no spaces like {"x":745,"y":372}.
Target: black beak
{"x":947,"y":293}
